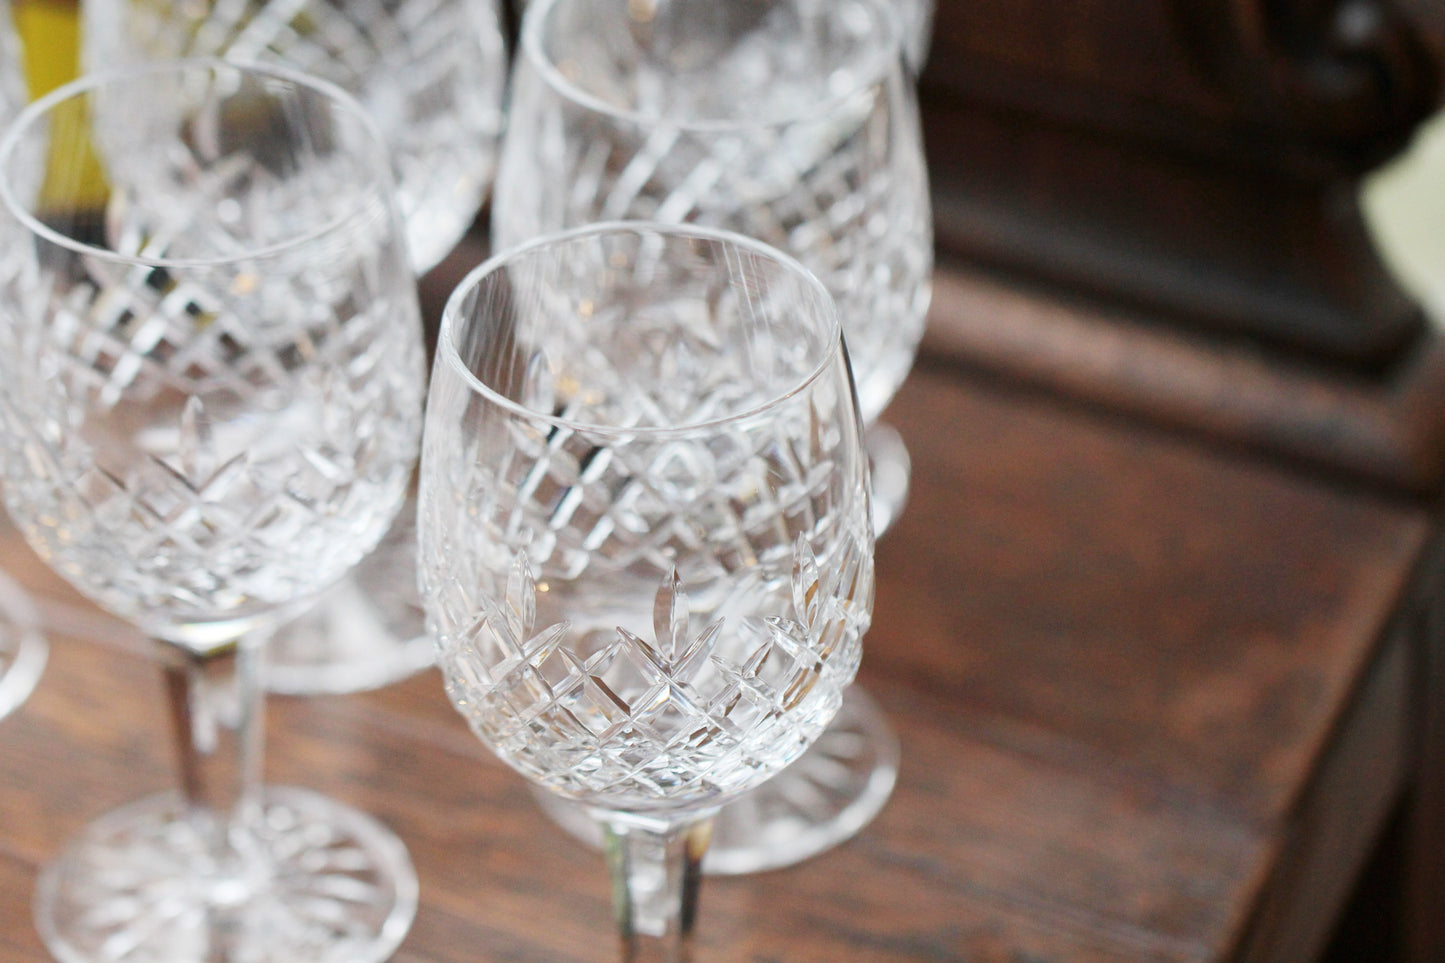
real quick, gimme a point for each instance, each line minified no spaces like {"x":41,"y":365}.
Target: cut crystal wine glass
{"x":794,"y":122}
{"x":645,"y":535}
{"x":211,"y":389}
{"x":432,"y":75}
{"x":430,"y":72}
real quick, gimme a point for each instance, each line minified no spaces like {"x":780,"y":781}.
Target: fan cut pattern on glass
{"x":324,"y":892}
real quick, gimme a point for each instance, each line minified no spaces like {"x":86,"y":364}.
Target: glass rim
{"x":887,"y":60}
{"x":33,"y":112}
{"x":447,"y":353}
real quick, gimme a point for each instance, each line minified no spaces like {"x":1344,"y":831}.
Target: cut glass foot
{"x":325,"y":884}
{"x":825,"y":797}
{"x":367,"y":632}
{"x":891,"y":470}
{"x":23,"y":648}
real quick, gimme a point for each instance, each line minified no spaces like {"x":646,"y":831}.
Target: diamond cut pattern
{"x":845,"y":194}
{"x":684,"y":714}
{"x":663,"y":610}
{"x":430,"y":72}
{"x":187,"y":448}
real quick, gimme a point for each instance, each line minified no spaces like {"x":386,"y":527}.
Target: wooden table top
{"x":1121,"y":665}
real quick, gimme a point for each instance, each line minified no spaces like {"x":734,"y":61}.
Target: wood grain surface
{"x":1145,"y":690}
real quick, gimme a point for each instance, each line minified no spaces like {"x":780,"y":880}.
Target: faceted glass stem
{"x":656,"y":870}
{"x":216,"y":702}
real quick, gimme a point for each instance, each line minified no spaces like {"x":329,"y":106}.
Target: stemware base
{"x":368,"y":631}
{"x":324,"y":883}
{"x":23,"y":649}
{"x":827,"y":796}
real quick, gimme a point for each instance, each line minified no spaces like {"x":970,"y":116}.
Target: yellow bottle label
{"x":50,"y":38}
{"x":50,"y":35}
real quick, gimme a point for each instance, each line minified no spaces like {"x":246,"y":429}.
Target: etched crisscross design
{"x":584,"y":501}
{"x":618,"y":510}
{"x":645,"y":541}
{"x":844,"y":193}
{"x":212,"y":455}
{"x":681,"y":716}
{"x":430,"y":72}
{"x":715,"y":696}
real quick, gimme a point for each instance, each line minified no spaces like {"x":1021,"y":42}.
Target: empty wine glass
{"x":791,"y":121}
{"x":211,"y":389}
{"x":645,"y":538}
{"x":430,"y":72}
{"x":432,"y":75}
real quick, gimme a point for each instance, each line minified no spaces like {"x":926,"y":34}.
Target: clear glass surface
{"x":645,"y":536}
{"x":23,"y":648}
{"x":211,"y":374}
{"x":366,"y":632}
{"x":430,"y":72}
{"x":793,"y":122}
{"x":915,"y":19}
{"x":432,"y":75}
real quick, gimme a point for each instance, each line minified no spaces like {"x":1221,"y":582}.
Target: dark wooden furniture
{"x":1184,"y":173}
{"x":1152,"y":208}
{"x":1156,"y":703}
